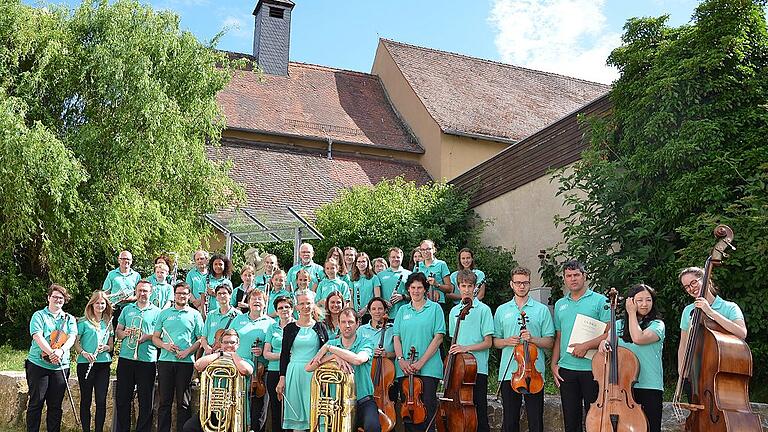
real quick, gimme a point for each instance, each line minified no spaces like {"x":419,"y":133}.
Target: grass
{"x":11,"y":358}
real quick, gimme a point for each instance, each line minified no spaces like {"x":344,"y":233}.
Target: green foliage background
{"x":105,"y":112}
{"x":684,"y":149}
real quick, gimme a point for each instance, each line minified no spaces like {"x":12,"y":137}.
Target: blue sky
{"x":571,"y":37}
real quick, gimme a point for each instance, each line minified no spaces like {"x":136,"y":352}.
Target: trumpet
{"x":132,"y":340}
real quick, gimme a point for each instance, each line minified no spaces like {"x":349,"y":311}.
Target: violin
{"x":456,"y":409}
{"x":615,"y":408}
{"x":412,"y":406}
{"x":717,"y":365}
{"x":383,"y":375}
{"x":527,"y":379}
{"x":258,"y":388}
{"x":58,"y":337}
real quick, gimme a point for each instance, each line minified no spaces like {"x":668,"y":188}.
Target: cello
{"x":527,"y":379}
{"x":412,"y":406}
{"x":615,"y":408}
{"x":719,"y":379}
{"x":383,"y":375}
{"x":456,"y":410}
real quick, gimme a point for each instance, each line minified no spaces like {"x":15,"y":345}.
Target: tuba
{"x":222,"y":390}
{"x":332,"y":398}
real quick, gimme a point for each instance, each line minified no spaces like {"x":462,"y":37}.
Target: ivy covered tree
{"x":684,"y":149}
{"x":105,"y":114}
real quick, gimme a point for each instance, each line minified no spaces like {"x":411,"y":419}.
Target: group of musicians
{"x":279,"y":327}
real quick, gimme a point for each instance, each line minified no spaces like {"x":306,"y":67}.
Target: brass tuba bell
{"x":332,"y":398}
{"x":222,"y":397}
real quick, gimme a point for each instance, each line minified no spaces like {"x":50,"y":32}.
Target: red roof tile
{"x":316,"y":102}
{"x":472,"y":95}
{"x":276,"y":176}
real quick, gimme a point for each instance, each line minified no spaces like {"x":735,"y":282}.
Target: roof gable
{"x":476,"y":96}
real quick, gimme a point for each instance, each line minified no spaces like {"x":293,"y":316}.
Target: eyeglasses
{"x":425,"y":249}
{"x":56,"y":297}
{"x":181,"y":293}
{"x":283,"y":307}
{"x":522,"y":284}
{"x":692,"y":284}
{"x":124,"y":259}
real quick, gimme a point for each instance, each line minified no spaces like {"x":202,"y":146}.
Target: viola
{"x":717,"y":365}
{"x":527,"y":379}
{"x":456,"y":409}
{"x":412,"y":406}
{"x":383,"y":375}
{"x":258,"y":388}
{"x":58,"y":337}
{"x":615,"y":408}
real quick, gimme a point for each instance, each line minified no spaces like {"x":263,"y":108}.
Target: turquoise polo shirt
{"x":590,"y":304}
{"x":316,"y":274}
{"x":274,"y":338}
{"x":651,"y":374}
{"x":274,"y":295}
{"x":730,"y":310}
{"x":362,"y":290}
{"x":261,"y":281}
{"x":45,"y":323}
{"x":130,"y":316}
{"x":507,"y":324}
{"x":474,"y":328}
{"x":394,"y":281}
{"x":196,"y":282}
{"x":184,"y":326}
{"x":213,"y":283}
{"x":417,"y":329}
{"x":374,"y":335}
{"x":363,"y":382}
{"x":455,"y":281}
{"x":215,"y":320}
{"x":162,"y":293}
{"x":327,"y":286}
{"x":117,"y":282}
{"x":153,"y":279}
{"x":439,"y":269}
{"x":91,"y":336}
{"x":250,"y":330}
{"x":235,"y":291}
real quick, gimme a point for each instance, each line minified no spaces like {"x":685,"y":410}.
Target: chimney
{"x":272,"y":35}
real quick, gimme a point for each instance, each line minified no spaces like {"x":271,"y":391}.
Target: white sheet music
{"x":585,"y":328}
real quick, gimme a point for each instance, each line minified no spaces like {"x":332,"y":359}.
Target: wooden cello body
{"x":717,"y":366}
{"x":383,"y":376}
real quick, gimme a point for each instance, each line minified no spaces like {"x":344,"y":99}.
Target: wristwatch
{"x":400,"y":358}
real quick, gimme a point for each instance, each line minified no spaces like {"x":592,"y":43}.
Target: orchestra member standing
{"x":272,"y":348}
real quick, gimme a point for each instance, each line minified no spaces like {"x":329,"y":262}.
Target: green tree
{"x":106,"y":114}
{"x":683,"y":149}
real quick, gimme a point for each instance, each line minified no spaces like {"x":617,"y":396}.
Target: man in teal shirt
{"x":306,"y":253}
{"x":353,"y":354}
{"x":120,"y":283}
{"x":393,"y":281}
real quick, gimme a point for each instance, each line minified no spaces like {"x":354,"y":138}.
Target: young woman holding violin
{"x":94,"y":343}
{"x":53,"y":333}
{"x":272,"y":348}
{"x":419,"y":325}
{"x":642,"y":332}
{"x":511,"y":338}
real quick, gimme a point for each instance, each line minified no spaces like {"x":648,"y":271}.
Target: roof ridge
{"x":508,"y":65}
{"x":331,"y":68}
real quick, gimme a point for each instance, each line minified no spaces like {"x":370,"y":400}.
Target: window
{"x":276,"y":12}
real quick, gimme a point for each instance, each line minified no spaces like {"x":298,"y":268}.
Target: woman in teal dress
{"x":302,"y":340}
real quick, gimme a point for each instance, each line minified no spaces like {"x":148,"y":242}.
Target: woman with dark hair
{"x":365,"y":284}
{"x":272,"y":348}
{"x":219,"y":272}
{"x":642,"y":331}
{"x":378,"y":308}
{"x":466,"y":261}
{"x":334,"y":303}
{"x":416,"y":258}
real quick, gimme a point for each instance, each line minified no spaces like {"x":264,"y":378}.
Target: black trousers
{"x":173,"y":381}
{"x":98,"y":384}
{"x":275,"y":406}
{"x":141,"y":375}
{"x":47,"y":387}
{"x":367,"y":415}
{"x":512,"y":402}
{"x":577,"y":391}
{"x":652,"y":402}
{"x":480,"y":398}
{"x":429,"y":397}
{"x":259,"y":411}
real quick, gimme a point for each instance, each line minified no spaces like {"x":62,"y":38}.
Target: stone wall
{"x":13,"y":390}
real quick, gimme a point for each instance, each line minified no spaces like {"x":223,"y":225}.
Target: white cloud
{"x":235,"y":27}
{"x":568,"y":37}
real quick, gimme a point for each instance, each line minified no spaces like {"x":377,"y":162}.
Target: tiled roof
{"x":275,"y":176}
{"x":316,"y":102}
{"x":476,"y":96}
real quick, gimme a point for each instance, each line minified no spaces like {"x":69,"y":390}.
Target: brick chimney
{"x":272,"y":35}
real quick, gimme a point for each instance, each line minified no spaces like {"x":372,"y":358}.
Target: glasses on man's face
{"x":57,"y":297}
{"x":522,"y":284}
{"x":181,"y":293}
{"x":124,"y":259}
{"x":692,"y":284}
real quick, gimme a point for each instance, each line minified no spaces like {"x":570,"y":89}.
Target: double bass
{"x":615,"y":408}
{"x":717,"y":365}
{"x":527,"y":380}
{"x":383,"y":375}
{"x":456,"y":409}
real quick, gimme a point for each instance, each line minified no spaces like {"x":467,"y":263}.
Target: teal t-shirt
{"x":91,"y":336}
{"x":117,"y":282}
{"x":366,"y":331}
{"x":275,"y":340}
{"x":417,"y":328}
{"x":250,"y":330}
{"x":271,"y":311}
{"x":439,"y":269}
{"x":184,"y":326}
{"x":363,"y":382}
{"x":455,"y":281}
{"x":196,"y":282}
{"x":327,"y":286}
{"x":474,"y":328}
{"x":651,"y":375}
{"x":394,"y":281}
{"x":507,"y":324}
{"x":217,"y":320}
{"x":261,"y":281}
{"x":730,"y":310}
{"x":315,"y":271}
{"x":362,"y":291}
{"x":213,"y":283}
{"x":590,"y":304}
{"x":131,"y":316}
{"x":162,"y":294}
{"x":45,"y":323}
